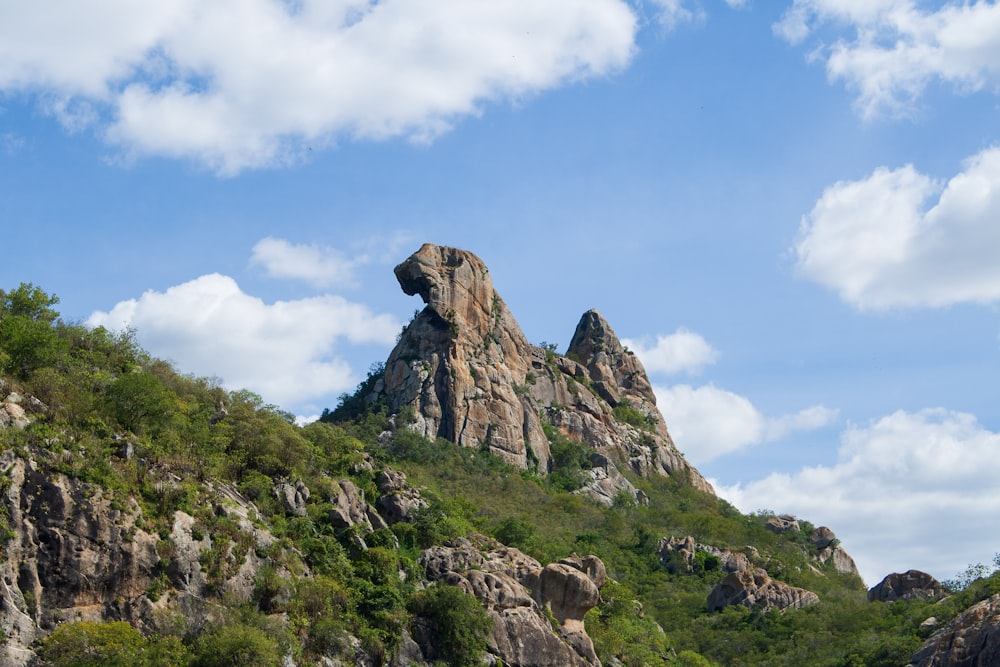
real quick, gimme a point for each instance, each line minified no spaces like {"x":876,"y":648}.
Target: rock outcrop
{"x":680,"y":555}
{"x":517,"y":591}
{"x":470,"y":376}
{"x":782,"y":524}
{"x":754,"y":589}
{"x":905,"y":586}
{"x":972,"y":639}
{"x":77,"y":552}
{"x":828,"y":550}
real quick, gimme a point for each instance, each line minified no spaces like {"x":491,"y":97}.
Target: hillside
{"x":478,"y":500}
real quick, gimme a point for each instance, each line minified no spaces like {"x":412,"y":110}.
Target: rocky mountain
{"x":469,"y":375}
{"x":435,"y":517}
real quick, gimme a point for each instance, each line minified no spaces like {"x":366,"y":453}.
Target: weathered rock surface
{"x":515,"y":589}
{"x":782,"y":524}
{"x":972,"y":639}
{"x":754,"y":589}
{"x":828,"y":550}
{"x":679,"y":554}
{"x":907,"y":585}
{"x":79,"y":553}
{"x":465,"y":367}
{"x":841,"y":560}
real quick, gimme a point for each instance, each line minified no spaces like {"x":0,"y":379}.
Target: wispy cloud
{"x":884,"y":241}
{"x":318,"y":265}
{"x":176,"y":80}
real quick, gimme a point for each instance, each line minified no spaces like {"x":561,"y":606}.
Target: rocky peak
{"x":470,"y":376}
{"x":596,"y":346}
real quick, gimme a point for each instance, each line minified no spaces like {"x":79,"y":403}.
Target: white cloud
{"x":318,"y":265}
{"x":910,"y":490}
{"x":671,"y":13}
{"x":807,"y":419}
{"x":877,"y":243}
{"x":707,"y":422}
{"x":897,"y":48}
{"x":681,"y":352}
{"x":285,"y":351}
{"x":253,"y":83}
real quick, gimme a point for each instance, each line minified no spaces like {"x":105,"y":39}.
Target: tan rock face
{"x":972,"y":638}
{"x":907,"y":585}
{"x":754,"y":589}
{"x":515,"y":589}
{"x":470,"y":375}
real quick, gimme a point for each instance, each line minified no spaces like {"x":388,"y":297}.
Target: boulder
{"x":398,"y":499}
{"x":822,"y":537}
{"x":782,"y":524}
{"x":293,"y":497}
{"x":13,"y":415}
{"x":971,"y":639}
{"x":754,"y":589}
{"x":470,"y":376}
{"x":841,"y":560}
{"x":905,"y":586}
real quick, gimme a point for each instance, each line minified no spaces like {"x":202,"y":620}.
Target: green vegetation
{"x":97,"y":391}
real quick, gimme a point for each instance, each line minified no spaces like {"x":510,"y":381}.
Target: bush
{"x":459,"y":623}
{"x":237,"y":646}
{"x":87,"y":644}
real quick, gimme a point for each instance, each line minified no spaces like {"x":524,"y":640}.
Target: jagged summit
{"x":465,"y":367}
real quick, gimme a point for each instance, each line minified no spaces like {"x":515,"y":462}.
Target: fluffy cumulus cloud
{"x":681,"y":351}
{"x":898,"y":47}
{"x":251,"y":83}
{"x":901,"y":238}
{"x":707,"y":422}
{"x":910,"y":490}
{"x":285,"y":351}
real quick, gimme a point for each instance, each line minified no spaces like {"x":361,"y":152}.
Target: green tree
{"x":86,"y":644}
{"x":236,"y":646}
{"x":27,"y":337}
{"x":460,"y":624}
{"x":138,"y":399}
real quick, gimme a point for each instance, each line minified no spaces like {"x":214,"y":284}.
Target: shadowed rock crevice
{"x":465,"y":367}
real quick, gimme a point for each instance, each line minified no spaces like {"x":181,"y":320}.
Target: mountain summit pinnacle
{"x":466,"y":369}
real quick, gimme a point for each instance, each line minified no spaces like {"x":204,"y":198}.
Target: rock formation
{"x":754,"y":589}
{"x":516,"y":591}
{"x":909,"y":584}
{"x":972,"y":639}
{"x":782,"y":524}
{"x":77,"y":553}
{"x":466,"y":369}
{"x":828,"y":550}
{"x":678,"y":554}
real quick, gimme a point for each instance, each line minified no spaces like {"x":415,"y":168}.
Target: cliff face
{"x":466,"y":369}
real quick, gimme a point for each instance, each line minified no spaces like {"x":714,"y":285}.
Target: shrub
{"x":88,"y":644}
{"x":459,"y":623}
{"x":236,"y":646}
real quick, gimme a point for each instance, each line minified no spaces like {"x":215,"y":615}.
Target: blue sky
{"x":789,"y":209}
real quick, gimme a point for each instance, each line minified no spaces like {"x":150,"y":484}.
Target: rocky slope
{"x":470,"y":376}
{"x":77,"y":553}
